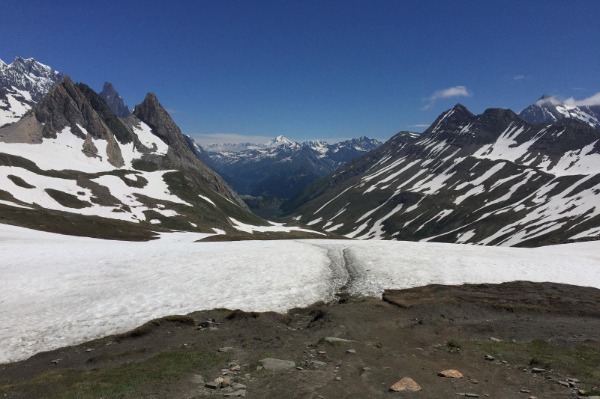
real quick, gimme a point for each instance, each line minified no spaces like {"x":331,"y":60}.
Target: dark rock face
{"x":114,"y":100}
{"x":76,"y":105}
{"x":489,"y":179}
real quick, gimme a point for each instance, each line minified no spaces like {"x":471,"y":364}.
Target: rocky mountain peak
{"x":279,"y":140}
{"x":114,"y":100}
{"x":29,"y":75}
{"x":153,"y":113}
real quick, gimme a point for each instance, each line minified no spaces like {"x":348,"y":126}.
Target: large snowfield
{"x":60,"y":290}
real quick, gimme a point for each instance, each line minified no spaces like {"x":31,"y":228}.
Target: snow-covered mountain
{"x":281,"y":167}
{"x":488,"y":179}
{"x":549,"y":109}
{"x":71,"y":165}
{"x":22,"y":84}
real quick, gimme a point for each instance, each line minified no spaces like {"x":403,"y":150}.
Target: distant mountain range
{"x":491,"y":179}
{"x":75,"y":161}
{"x":280,"y":168}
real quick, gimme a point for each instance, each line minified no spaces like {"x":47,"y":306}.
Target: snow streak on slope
{"x":69,"y":289}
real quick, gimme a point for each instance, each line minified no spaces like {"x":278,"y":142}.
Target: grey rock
{"x":273,"y":364}
{"x":197,"y":379}
{"x":351,"y":351}
{"x":238,"y":393}
{"x":225,"y":349}
{"x":212,"y":385}
{"x":537,"y":370}
{"x":336,"y":340}
{"x":490,"y":358}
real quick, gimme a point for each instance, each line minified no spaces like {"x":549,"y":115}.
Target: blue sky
{"x":314,"y":69}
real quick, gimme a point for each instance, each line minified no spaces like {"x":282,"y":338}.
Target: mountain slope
{"x":488,"y":179}
{"x":281,"y":168}
{"x":70,"y":158}
{"x":22,"y":84}
{"x":549,"y":109}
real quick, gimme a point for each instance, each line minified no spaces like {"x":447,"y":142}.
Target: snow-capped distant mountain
{"x":549,"y":109}
{"x":22,"y":84}
{"x":114,"y":100}
{"x":71,"y":165}
{"x":281,"y":167}
{"x":489,"y":179}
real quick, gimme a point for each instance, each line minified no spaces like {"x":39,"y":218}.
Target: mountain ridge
{"x":490,"y":179}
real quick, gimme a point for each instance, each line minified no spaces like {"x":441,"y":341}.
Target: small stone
{"x":55,"y":361}
{"x":317,"y":363}
{"x":574,"y":380}
{"x":468,"y":394}
{"x":490,"y":358}
{"x":564,"y":384}
{"x":322,"y":353}
{"x":450,"y":373}
{"x":89,"y":350}
{"x":532,"y":397}
{"x":299,"y":368}
{"x":351,"y":351}
{"x":473,"y":381}
{"x":335,"y":340}
{"x":238,"y":386}
{"x":494,"y":339}
{"x":405,"y":384}
{"x":225,"y":349}
{"x":525,"y":391}
{"x":225,"y":381}
{"x":212,"y":385}
{"x":338,"y":378}
{"x":238,"y":393}
{"x":235,"y":367}
{"x":273,"y":364}
{"x":537,"y":370}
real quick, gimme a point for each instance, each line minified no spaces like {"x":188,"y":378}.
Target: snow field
{"x":67,"y":290}
{"x":71,"y":289}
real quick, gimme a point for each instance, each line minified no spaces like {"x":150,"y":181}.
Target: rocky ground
{"x":516,"y":340}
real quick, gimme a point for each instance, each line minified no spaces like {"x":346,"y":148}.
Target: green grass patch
{"x":582,"y":361}
{"x":125,"y":379}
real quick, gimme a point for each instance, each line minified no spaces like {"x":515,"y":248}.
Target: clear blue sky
{"x":314,"y":69}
